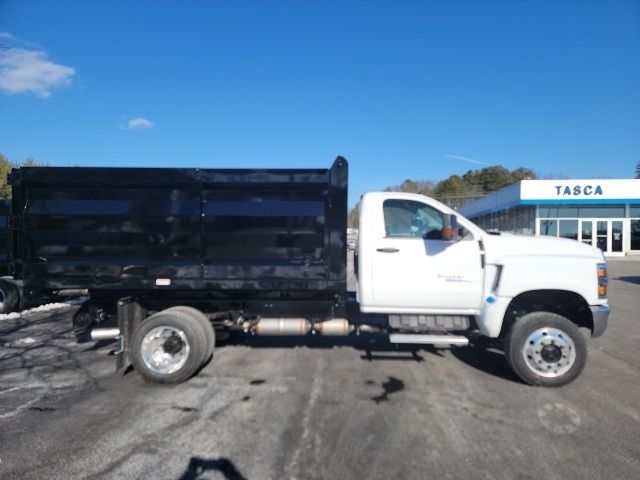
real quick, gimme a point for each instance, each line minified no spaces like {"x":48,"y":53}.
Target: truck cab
{"x":441,"y":279}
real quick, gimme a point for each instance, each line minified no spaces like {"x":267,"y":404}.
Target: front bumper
{"x":600,"y":315}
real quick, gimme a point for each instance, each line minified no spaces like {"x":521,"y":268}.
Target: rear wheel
{"x":545,"y":349}
{"x":205,"y":325}
{"x":168,"y":347}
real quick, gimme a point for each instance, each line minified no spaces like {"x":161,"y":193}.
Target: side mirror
{"x":451,"y":229}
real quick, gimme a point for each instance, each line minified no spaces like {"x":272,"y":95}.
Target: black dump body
{"x":267,"y":241}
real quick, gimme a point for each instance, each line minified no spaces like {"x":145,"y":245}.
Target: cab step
{"x":428,"y":339}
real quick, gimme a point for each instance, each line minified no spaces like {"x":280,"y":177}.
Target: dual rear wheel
{"x":171,"y":345}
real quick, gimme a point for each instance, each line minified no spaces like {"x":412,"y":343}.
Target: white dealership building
{"x":603,"y":213}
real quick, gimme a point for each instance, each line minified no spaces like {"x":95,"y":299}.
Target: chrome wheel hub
{"x":549,"y":352}
{"x":165,"y":350}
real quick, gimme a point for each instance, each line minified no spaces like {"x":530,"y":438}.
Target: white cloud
{"x":25,"y":70}
{"x":467,"y":159}
{"x":139,"y":123}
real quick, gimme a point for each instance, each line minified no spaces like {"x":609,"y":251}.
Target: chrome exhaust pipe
{"x":72,"y":292}
{"x":105,"y":333}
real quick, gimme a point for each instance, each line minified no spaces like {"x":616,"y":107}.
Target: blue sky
{"x":416,"y":90}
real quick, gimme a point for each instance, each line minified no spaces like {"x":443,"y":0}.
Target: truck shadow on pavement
{"x":42,"y":350}
{"x":488,"y":360}
{"x":376,"y":347}
{"x":198,"y":467}
{"x":635,"y":280}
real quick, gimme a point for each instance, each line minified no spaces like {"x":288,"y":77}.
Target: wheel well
{"x":568,"y":304}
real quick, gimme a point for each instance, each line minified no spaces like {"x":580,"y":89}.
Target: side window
{"x":406,"y":218}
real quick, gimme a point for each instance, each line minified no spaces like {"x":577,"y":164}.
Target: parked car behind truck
{"x":172,"y":259}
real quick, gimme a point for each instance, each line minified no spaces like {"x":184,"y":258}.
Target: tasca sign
{"x":579,"y":191}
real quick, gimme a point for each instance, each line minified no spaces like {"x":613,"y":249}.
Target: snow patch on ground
{"x":41,"y":308}
{"x":26,"y":341}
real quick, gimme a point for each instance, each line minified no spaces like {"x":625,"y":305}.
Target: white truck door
{"x":415,"y":270}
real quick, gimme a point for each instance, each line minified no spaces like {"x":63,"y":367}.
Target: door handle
{"x":387,"y":250}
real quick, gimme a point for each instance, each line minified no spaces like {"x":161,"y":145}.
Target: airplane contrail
{"x":467,"y":159}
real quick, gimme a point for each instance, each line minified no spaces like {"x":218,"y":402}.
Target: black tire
{"x":545,"y":349}
{"x":9,"y":296}
{"x":204,"y":322}
{"x":185,"y":325}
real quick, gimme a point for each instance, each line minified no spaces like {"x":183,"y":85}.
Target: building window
{"x":584,"y":211}
{"x":548,"y":212}
{"x":635,"y":234}
{"x":569,"y":229}
{"x":525,"y":217}
{"x":568,"y":212}
{"x":602,"y":211}
{"x":549,"y":227}
{"x":587,"y":232}
{"x":616,"y":236}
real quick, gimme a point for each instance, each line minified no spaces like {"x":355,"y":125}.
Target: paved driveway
{"x":312,"y":408}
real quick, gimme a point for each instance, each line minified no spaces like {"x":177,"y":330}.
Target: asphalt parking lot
{"x":314,"y":408}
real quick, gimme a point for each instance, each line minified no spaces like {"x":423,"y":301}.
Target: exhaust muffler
{"x":282,"y":326}
{"x":336,"y":327}
{"x":301,"y":326}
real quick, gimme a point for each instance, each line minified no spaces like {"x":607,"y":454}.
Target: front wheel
{"x":545,"y":349}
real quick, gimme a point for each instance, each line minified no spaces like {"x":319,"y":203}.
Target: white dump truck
{"x":172,"y":259}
